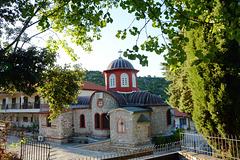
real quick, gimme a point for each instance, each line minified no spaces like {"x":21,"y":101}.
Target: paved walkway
{"x":63,"y":151}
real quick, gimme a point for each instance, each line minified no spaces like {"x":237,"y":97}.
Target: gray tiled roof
{"x":133,"y":99}
{"x":120,"y":64}
{"x":138,"y":109}
{"x":143,"y":118}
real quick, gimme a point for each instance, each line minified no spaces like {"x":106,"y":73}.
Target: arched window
{"x":168,"y":117}
{"x":82,"y":121}
{"x":104,"y":121}
{"x":112,"y":81}
{"x":121,"y":126}
{"x":97,"y":121}
{"x":124,"y":80}
{"x":134,"y":80}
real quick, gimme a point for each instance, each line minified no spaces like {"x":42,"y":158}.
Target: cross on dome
{"x":120,"y":52}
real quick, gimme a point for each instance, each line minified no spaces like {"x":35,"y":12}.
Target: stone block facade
{"x":108,"y":103}
{"x":126,"y":131}
{"x":159,"y":121}
{"x":60,"y":129}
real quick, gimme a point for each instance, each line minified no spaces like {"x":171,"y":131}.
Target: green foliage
{"x":95,"y":77}
{"x":158,"y":140}
{"x":179,"y":91}
{"x":23,"y":69}
{"x":61,"y":87}
{"x":157,"y":85}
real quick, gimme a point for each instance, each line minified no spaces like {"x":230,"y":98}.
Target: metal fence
{"x":221,"y":147}
{"x":36,"y":150}
{"x":138,"y":153}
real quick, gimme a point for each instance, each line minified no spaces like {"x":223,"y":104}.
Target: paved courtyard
{"x":70,"y":151}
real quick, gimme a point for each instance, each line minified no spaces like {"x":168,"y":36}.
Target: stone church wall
{"x":87,"y":130}
{"x":60,"y":130}
{"x":109,"y":103}
{"x":135,"y":133}
{"x":128,"y":135}
{"x":159,"y":121}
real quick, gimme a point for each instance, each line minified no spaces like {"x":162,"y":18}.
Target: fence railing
{"x":142,"y":153}
{"x":35,"y":105}
{"x":220,"y":147}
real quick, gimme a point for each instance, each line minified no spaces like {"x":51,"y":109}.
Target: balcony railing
{"x":14,"y":106}
{"x":3,"y":106}
{"x":35,"y":105}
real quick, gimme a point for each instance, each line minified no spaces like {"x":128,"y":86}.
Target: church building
{"x":121,"y":112}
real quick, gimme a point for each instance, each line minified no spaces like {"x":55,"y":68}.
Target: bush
{"x":168,"y":139}
{"x":3,"y":149}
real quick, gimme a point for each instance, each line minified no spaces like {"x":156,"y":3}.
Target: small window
{"x":121,"y":126}
{"x":49,"y":124}
{"x":124,"y":80}
{"x":97,"y":121}
{"x":82,"y":121}
{"x":112,"y":81}
{"x":16,"y":119}
{"x":25,"y":119}
{"x":183,"y":121}
{"x":168,"y":117}
{"x":134,"y":80}
{"x":105,"y":121}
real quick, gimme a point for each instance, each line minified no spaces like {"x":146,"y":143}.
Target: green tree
{"x":179,"y":91}
{"x":61,"y":87}
{"x":23,"y":69}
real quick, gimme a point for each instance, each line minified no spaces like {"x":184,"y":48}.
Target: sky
{"x":107,"y":48}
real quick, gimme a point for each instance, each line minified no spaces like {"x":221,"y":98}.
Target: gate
{"x":35,"y":150}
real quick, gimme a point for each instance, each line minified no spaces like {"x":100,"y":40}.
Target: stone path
{"x":70,"y":151}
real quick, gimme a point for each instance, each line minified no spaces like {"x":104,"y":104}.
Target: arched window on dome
{"x":134,"y":80}
{"x":124,"y":80}
{"x":112,"y":81}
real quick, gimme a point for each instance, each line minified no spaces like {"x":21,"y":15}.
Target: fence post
{"x":21,"y":152}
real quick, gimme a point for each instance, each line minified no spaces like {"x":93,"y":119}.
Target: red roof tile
{"x":179,"y":114}
{"x":92,"y":86}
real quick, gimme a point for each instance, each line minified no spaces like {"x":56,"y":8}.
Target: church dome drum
{"x":121,"y":76}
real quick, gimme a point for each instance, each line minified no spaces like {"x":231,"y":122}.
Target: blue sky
{"x":106,"y":49}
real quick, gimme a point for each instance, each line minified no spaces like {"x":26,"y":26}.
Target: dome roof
{"x":120,"y":64}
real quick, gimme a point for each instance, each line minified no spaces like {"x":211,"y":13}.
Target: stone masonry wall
{"x":136,"y":133}
{"x":159,"y":121}
{"x":60,"y":130}
{"x":128,"y":135}
{"x":87,"y":130}
{"x":109,"y":103}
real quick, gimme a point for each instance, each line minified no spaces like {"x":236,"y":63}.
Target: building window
{"x":134,"y":84}
{"x":183,"y":121}
{"x":124,"y":80}
{"x":100,"y":103}
{"x":112,"y":81}
{"x":121,"y":126}
{"x":97,"y":121}
{"x":49,"y":124}
{"x":16,"y":119}
{"x":25,"y":119}
{"x":82,"y":121}
{"x":104,"y":121}
{"x":168,"y":117}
